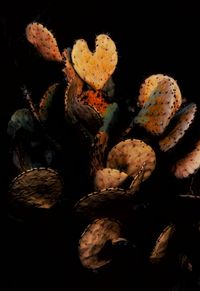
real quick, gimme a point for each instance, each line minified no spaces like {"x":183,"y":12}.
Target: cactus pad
{"x":189,"y":164}
{"x":109,"y":178}
{"x":44,"y":41}
{"x":38,"y":187}
{"x":111,"y":202}
{"x":159,"y":108}
{"x":130,"y":155}
{"x":151,"y":83}
{"x":160,"y":249}
{"x":183,"y":120}
{"x":93,"y":241}
{"x":95,"y":68}
{"x":46,"y":102}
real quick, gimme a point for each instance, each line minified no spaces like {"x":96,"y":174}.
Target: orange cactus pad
{"x":44,"y":41}
{"x":95,"y":68}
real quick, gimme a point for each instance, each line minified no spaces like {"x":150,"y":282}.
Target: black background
{"x":151,"y":38}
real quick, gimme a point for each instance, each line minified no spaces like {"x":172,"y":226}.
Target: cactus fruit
{"x":183,"y":118}
{"x":44,"y":41}
{"x":37,"y":187}
{"x":130,"y":155}
{"x":159,"y":108}
{"x":189,"y":164}
{"x":95,"y":68}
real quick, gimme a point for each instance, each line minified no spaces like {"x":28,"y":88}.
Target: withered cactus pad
{"x":37,"y":187}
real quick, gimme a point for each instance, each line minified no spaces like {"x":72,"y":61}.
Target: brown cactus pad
{"x":109,"y":178}
{"x":160,"y":249}
{"x":130,"y":155}
{"x":150,"y":84}
{"x":111,"y":202}
{"x":95,"y":68}
{"x":38,"y":187}
{"x":183,"y":120}
{"x":93,"y":241}
{"x":44,"y":41}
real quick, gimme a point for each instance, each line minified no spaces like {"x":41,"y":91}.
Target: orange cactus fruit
{"x":44,"y":41}
{"x":95,"y":68}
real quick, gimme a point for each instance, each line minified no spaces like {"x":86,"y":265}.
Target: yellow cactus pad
{"x":44,"y":41}
{"x":97,"y":67}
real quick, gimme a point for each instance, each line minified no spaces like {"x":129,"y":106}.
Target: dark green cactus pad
{"x":21,"y":119}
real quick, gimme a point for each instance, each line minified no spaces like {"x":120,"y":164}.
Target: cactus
{"x":46,"y":102}
{"x":130,"y":155}
{"x":95,"y":68}
{"x":184,"y":118}
{"x":44,"y":41}
{"x":150,"y":84}
{"x":159,"y":108}
{"x":189,"y":164}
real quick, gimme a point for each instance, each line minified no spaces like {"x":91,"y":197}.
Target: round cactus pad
{"x":130,"y":155}
{"x":93,"y":241}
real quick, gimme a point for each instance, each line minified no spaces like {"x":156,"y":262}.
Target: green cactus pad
{"x":21,"y":119}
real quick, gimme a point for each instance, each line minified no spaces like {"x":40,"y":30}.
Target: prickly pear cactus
{"x":44,"y":41}
{"x":95,"y":68}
